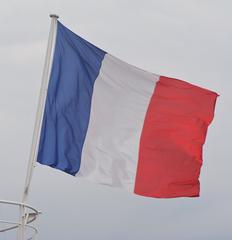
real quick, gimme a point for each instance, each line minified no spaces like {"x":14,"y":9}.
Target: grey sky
{"x":190,"y":40}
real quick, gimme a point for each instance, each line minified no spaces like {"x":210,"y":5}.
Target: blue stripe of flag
{"x":76,"y":65}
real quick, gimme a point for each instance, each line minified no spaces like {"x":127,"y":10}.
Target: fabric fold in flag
{"x":114,"y":124}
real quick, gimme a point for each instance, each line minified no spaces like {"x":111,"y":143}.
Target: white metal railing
{"x":29,"y":219}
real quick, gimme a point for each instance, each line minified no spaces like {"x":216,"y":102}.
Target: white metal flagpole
{"x":39,"y":117}
{"x":41,"y":103}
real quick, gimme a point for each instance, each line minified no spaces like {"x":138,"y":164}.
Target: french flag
{"x":115,"y":124}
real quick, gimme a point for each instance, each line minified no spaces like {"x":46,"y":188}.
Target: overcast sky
{"x":189,"y":40}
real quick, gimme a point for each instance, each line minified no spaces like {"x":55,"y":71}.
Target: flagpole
{"x":39,"y":117}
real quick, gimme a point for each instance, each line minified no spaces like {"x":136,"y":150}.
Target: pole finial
{"x":54,"y":16}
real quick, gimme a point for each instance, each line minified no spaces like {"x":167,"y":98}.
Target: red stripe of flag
{"x":174,"y":131}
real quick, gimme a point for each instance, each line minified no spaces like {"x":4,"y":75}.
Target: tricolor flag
{"x":115,"y":124}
